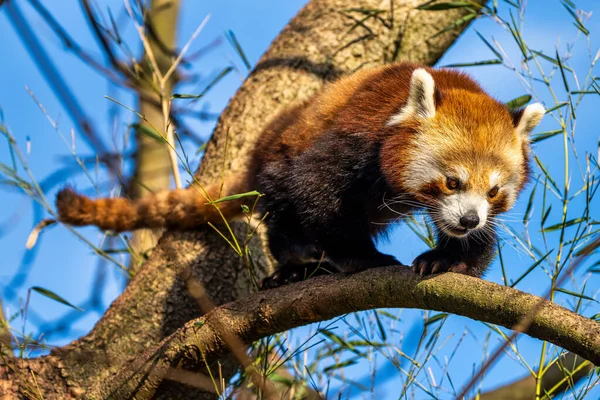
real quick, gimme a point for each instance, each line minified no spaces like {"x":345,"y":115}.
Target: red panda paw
{"x":436,"y":261}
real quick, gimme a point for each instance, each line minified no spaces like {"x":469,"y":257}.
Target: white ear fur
{"x":531,"y":116}
{"x":421,"y":101}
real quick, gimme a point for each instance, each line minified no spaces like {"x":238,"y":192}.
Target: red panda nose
{"x":469,"y":221}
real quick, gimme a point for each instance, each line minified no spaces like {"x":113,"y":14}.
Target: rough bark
{"x":323,"y":298}
{"x":560,"y":376}
{"x":318,"y":45}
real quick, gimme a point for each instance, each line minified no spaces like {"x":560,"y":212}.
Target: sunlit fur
{"x":472,"y":138}
{"x":369,"y":149}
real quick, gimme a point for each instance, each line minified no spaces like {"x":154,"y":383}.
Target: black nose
{"x":469,"y":221}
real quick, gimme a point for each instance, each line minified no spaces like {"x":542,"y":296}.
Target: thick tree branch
{"x":323,"y":298}
{"x":561,"y":376}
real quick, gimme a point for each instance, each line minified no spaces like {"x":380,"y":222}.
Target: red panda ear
{"x":527,"y":118}
{"x":421,"y":98}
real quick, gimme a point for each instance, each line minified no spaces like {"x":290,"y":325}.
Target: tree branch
{"x":561,"y":376}
{"x":323,"y":298}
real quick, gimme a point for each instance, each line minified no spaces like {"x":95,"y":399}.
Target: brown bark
{"x":323,"y":298}
{"x":561,"y":376}
{"x":317,"y":45}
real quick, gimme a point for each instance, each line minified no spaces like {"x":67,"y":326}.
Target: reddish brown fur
{"x":355,"y":105}
{"x":177,"y":209}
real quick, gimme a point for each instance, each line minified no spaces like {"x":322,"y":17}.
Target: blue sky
{"x":63,"y":264}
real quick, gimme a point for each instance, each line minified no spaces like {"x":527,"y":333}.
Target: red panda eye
{"x":492,"y":193}
{"x":451,"y":183}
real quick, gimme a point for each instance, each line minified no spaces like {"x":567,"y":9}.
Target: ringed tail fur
{"x":179,"y":209}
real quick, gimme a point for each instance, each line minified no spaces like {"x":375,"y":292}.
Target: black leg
{"x":291,"y":273}
{"x":351,"y":253}
{"x":470,"y":256}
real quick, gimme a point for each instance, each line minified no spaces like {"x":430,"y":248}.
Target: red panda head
{"x":459,"y":152}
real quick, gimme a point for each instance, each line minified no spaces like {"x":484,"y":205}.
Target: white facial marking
{"x":421,"y":102}
{"x":532,"y":115}
{"x":463,"y":174}
{"x":494,"y":178}
{"x":455,"y":206}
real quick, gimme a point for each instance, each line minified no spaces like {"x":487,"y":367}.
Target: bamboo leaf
{"x":550,"y":59}
{"x":545,"y":135}
{"x":459,"y":22}
{"x":340,"y":365}
{"x":546,"y":215}
{"x":518,"y":102}
{"x":488,"y":44}
{"x":531,"y":268}
{"x":444,"y":6}
{"x":435,"y":318}
{"x":529,"y":205}
{"x":575,"y":294}
{"x":236,"y":45}
{"x":221,"y":75}
{"x":148,"y":131}
{"x":382,"y":333}
{"x":559,"y":226}
{"x":51,"y":295}
{"x":559,"y":105}
{"x":545,"y":171}
{"x":473,"y":64}
{"x":235,"y":197}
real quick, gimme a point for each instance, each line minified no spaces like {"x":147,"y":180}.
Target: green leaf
{"x":578,"y":23}
{"x":562,"y":72}
{"x":531,"y":268}
{"x":556,"y":107}
{"x":473,"y":64}
{"x":444,"y":6}
{"x":185,"y":96}
{"x":275,"y":377}
{"x":488,"y":44}
{"x":343,"y":364}
{"x":337,"y":339}
{"x":529,"y":205}
{"x":459,"y":22}
{"x":51,"y":295}
{"x":147,"y":131}
{"x":546,"y":173}
{"x":559,"y":226}
{"x":236,"y":45}
{"x":235,"y":197}
{"x":546,"y":215}
{"x":518,"y":102}
{"x":579,"y":295}
{"x":382,"y":333}
{"x":221,"y":75}
{"x":435,"y":318}
{"x":566,"y":224}
{"x":550,"y":59}
{"x":545,"y":135}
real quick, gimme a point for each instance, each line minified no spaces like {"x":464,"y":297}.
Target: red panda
{"x":367,"y":150}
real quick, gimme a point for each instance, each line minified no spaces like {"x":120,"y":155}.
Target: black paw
{"x":295,"y":273}
{"x":435,"y":261}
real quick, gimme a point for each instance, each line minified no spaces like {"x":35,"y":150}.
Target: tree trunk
{"x":317,"y":46}
{"x":152,"y":171}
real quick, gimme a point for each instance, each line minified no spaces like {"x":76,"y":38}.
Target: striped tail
{"x":179,"y":209}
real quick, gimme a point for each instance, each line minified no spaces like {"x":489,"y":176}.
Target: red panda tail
{"x":179,"y":209}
